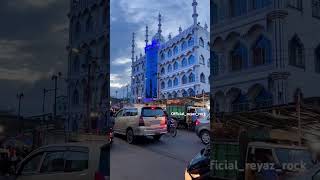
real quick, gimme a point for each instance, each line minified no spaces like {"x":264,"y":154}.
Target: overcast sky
{"x":129,"y":16}
{"x":33,"y":38}
{"x":34,"y":35}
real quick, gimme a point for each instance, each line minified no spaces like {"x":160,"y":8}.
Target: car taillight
{"x":197,"y":122}
{"x":165,"y":120}
{"x":141,"y":121}
{"x":98,"y":176}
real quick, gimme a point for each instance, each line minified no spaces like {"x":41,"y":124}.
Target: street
{"x":149,"y":159}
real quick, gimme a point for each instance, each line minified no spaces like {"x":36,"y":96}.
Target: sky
{"x":34,"y":36}
{"x":128,"y":16}
{"x":33,"y":40}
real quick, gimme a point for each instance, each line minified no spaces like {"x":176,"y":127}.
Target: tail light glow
{"x":197,"y":122}
{"x":98,"y":176}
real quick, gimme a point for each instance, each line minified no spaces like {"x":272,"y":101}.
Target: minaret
{"x":180,"y":30}
{"x":159,"y":25}
{"x":195,"y":14}
{"x":147,"y":36}
{"x":133,"y":46}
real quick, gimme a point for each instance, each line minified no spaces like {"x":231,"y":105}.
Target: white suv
{"x":140,"y":121}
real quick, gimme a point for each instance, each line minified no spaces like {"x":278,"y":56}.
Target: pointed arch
{"x":192,"y":78}
{"x":184,"y":79}
{"x":261,"y":51}
{"x":296,"y":52}
{"x":202,"y":78}
{"x":317,"y":59}
{"x":239,"y":57}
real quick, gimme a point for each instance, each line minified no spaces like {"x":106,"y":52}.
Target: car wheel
{"x":157,"y":137}
{"x":130,"y":136}
{"x":205,"y":137}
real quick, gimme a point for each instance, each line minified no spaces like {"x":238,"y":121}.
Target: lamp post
{"x":20,"y":96}
{"x":116,"y":94}
{"x":127,"y":93}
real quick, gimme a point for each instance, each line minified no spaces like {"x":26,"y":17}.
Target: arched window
{"x":208,"y":63}
{"x":296,"y":52}
{"x":174,"y":94}
{"x":105,"y":15}
{"x":191,"y":92}
{"x":184,"y":62}
{"x":191,"y":60}
{"x":261,"y":51}
{"x":239,"y":57}
{"x":169,"y":96}
{"x":192,"y":78}
{"x":75,"y":97}
{"x":89,"y":24}
{"x":169,"y":83}
{"x":238,"y":7}
{"x":184,"y":93}
{"x":202,"y":78}
{"x":169,"y":53}
{"x":297,"y":4}
{"x":76,"y":64}
{"x":184,"y":79}
{"x":169,"y":68}
{"x":88,"y":57}
{"x":191,"y":41}
{"x":316,"y":8}
{"x":201,"y":42}
{"x":175,"y":82}
{"x":215,"y":66}
{"x":162,"y":56}
{"x":201,"y":60}
{"x":104,"y":53}
{"x":175,"y":50}
{"x":175,"y":65}
{"x":317,"y":59}
{"x":162,"y":71}
{"x":214,"y":13}
{"x":78,"y":30}
{"x":163,"y":85}
{"x":184,"y":45}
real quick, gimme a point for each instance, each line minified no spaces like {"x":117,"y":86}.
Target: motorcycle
{"x":171,"y":127}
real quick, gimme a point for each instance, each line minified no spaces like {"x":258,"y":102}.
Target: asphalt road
{"x":154,"y":160}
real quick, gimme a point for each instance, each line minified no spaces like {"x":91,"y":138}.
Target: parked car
{"x":140,"y":121}
{"x":76,"y":161}
{"x":202,"y":129}
{"x":199,"y":166}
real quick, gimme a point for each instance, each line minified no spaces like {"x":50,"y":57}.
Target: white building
{"x":137,"y":75}
{"x":88,"y":84}
{"x":264,"y":52}
{"x":183,"y":62}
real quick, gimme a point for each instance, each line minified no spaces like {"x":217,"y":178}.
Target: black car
{"x":199,"y":166}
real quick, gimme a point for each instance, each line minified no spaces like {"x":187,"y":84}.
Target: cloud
{"x":11,"y":49}
{"x":121,"y":61}
{"x":174,"y":14}
{"x":30,"y":3}
{"x":23,"y":74}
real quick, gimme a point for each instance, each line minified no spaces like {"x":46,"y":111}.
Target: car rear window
{"x":76,"y":161}
{"x":152,"y":111}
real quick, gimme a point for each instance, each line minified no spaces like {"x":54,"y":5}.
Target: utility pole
{"x":127,"y":92}
{"x":20,"y":96}
{"x":43,"y":104}
{"x":55,"y":78}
